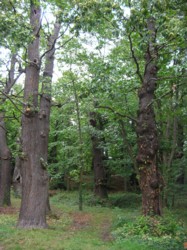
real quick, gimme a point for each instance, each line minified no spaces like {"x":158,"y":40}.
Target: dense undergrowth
{"x":104,"y":225}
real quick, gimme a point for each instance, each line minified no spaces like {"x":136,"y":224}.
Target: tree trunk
{"x":150,"y":178}
{"x":33,"y":169}
{"x":17,"y":178}
{"x":5,"y":155}
{"x":100,"y":177}
{"x":35,"y":131}
{"x":81,"y":160}
{"x":5,"y":166}
{"x":45,"y":101}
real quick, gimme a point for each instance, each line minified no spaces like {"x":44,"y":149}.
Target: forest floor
{"x":70,"y":229}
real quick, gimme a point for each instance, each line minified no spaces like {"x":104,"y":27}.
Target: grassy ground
{"x":70,"y":229}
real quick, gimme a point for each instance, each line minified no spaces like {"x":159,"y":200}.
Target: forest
{"x":93,"y":135}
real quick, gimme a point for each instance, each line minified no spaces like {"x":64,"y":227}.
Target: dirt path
{"x":84,"y":221}
{"x":81,"y":220}
{"x":106,"y":231}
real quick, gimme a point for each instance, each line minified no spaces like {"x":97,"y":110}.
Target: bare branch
{"x":67,"y":41}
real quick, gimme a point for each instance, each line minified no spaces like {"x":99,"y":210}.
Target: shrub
{"x":163,"y":232}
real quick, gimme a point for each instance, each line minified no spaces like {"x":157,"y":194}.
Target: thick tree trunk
{"x":150,"y":178}
{"x":35,"y":131}
{"x":100,"y":177}
{"x":34,"y":177}
{"x":33,"y":169}
{"x":5,"y":166}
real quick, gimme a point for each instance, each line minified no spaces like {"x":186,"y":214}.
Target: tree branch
{"x":165,"y":94}
{"x":14,"y":9}
{"x":61,"y":46}
{"x":9,"y":98}
{"x":135,"y":59}
{"x":60,"y":105}
{"x":117,"y":113}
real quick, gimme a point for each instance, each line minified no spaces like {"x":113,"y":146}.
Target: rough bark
{"x":5,"y":166}
{"x":33,"y":171}
{"x":100,"y":177}
{"x":150,"y":177}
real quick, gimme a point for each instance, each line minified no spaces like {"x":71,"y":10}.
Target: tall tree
{"x":150,"y":179}
{"x":35,"y":128}
{"x":34,"y":175}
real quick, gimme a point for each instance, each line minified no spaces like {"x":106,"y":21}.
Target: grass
{"x":70,"y":229}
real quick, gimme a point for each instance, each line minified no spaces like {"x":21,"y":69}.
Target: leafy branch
{"x":135,"y":59}
{"x":10,"y":99}
{"x":117,"y":113}
{"x":165,"y":94}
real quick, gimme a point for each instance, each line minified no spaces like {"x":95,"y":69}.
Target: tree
{"x":150,"y":178}
{"x":35,"y":128}
{"x":159,"y":43}
{"x":34,"y":175}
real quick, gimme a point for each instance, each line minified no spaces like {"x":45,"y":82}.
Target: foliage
{"x":14,"y":29}
{"x":161,"y":232}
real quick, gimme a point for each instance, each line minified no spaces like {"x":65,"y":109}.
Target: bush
{"x":159,"y":232}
